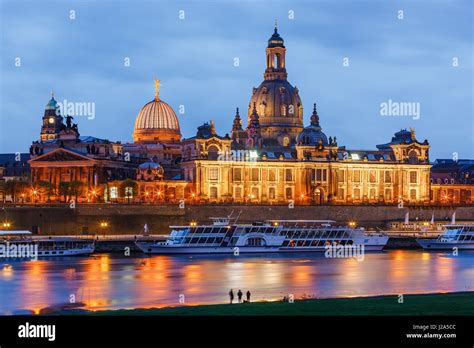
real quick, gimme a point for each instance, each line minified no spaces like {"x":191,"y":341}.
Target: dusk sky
{"x":82,"y":60}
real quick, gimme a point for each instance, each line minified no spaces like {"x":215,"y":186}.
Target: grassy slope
{"x":433,"y":304}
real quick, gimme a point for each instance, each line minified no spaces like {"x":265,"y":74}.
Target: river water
{"x":108,"y":281}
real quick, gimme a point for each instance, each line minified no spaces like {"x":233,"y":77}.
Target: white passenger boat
{"x":222,"y":237}
{"x":22,"y":244}
{"x":454,"y":236}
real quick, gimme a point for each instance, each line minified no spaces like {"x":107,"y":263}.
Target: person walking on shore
{"x":231,"y":296}
{"x":239,"y":295}
{"x":248,"y":295}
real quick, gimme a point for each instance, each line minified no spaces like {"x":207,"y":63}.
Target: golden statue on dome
{"x":157,"y":89}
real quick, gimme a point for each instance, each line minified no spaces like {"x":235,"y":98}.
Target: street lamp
{"x":35,"y":193}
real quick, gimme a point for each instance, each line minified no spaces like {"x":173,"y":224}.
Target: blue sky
{"x":82,"y":60}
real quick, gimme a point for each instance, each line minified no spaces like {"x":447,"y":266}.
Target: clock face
{"x":51,"y":120}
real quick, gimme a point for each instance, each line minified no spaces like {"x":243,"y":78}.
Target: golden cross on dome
{"x":157,"y":89}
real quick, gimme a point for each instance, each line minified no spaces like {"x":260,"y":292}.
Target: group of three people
{"x":239,"y":295}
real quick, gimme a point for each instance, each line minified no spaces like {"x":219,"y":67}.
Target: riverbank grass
{"x":430,"y":304}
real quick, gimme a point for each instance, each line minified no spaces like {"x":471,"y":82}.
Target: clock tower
{"x":52,"y":121}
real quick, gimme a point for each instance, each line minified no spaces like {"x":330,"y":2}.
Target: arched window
{"x":212,"y":152}
{"x":413,"y":157}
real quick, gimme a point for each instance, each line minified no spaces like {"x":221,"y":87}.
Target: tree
{"x":128,"y":188}
{"x":23,"y":189}
{"x":3,"y":189}
{"x":10,"y":188}
{"x":63,"y":190}
{"x":46,"y":188}
{"x":76,"y":188}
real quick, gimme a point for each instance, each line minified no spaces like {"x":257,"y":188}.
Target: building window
{"x":238,"y":192}
{"x":213,"y":173}
{"x":372,"y":176}
{"x":340,"y":192}
{"x":255,"y":174}
{"x":271,"y":193}
{"x":289,"y":193}
{"x":237,"y":174}
{"x":356,"y":176}
{"x":340,"y":176}
{"x":212,"y":153}
{"x":372,"y":193}
{"x":413,"y":194}
{"x":357,"y":194}
{"x":213,"y":192}
{"x":255,"y":193}
{"x":388,"y":177}
{"x":388,"y":194}
{"x":319,"y":175}
{"x":113,"y":192}
{"x":288,"y":175}
{"x":324,"y":174}
{"x":413,"y":177}
{"x":272,"y":175}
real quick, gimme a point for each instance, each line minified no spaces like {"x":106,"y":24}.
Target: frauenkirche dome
{"x":277,"y":102}
{"x":156,"y":122}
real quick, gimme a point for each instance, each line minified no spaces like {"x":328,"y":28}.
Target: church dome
{"x":277,"y":103}
{"x":150,"y":171}
{"x":156,"y":122}
{"x":313,"y":135}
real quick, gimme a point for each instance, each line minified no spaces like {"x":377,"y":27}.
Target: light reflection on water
{"x":106,"y":281}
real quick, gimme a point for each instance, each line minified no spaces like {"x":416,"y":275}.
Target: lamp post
{"x":103,"y":226}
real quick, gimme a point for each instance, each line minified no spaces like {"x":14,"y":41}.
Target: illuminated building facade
{"x":274,"y":159}
{"x":277,"y":160}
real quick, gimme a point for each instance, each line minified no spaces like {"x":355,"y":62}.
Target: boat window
{"x":255,"y":242}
